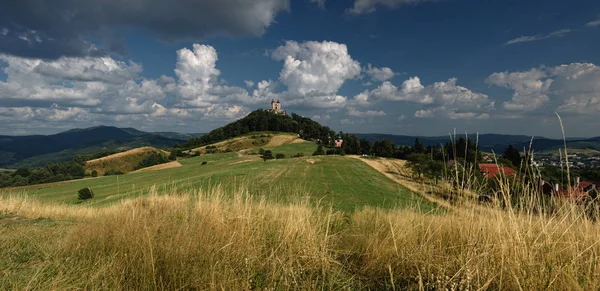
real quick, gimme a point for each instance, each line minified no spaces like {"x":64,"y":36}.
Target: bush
{"x":319,"y":151}
{"x":85,"y":194}
{"x":330,"y":152}
{"x":261,"y":151}
{"x":173,"y":155}
{"x":280,"y":156}
{"x":205,"y":162}
{"x":112,"y":172}
{"x":267,"y":155}
{"x":298,"y":155}
{"x":152,"y":159}
{"x":94,"y":173}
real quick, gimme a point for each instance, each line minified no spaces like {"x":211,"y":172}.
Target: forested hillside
{"x":263,"y":120}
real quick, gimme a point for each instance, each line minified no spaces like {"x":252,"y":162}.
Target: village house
{"x":490,"y":170}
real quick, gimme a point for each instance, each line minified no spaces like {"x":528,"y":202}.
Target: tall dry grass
{"x":209,"y":240}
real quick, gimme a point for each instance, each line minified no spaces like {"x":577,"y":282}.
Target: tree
{"x":94,"y":173}
{"x":173,"y":155}
{"x":23,"y":172}
{"x":85,"y":194}
{"x":513,"y":155}
{"x":268,"y":155}
{"x":280,"y":156}
{"x":366,"y":148}
{"x":417,"y":163}
{"x":419,"y":148}
{"x":384,"y":148}
{"x":434,"y":169}
{"x":319,"y":151}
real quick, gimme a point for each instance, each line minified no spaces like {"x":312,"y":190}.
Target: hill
{"x":36,"y":150}
{"x":491,"y":142}
{"x":124,"y":162}
{"x":262,"y":121}
{"x":251,"y":141}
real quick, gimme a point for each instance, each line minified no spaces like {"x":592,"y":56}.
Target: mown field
{"x":345,"y":183}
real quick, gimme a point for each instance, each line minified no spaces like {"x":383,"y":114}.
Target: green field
{"x":345,"y":183}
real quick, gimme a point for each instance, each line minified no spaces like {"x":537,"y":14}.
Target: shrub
{"x":112,"y":172}
{"x":205,"y":162}
{"x":330,"y":152}
{"x":173,"y":155}
{"x":267,"y":155}
{"x":261,"y":151}
{"x":94,"y":173}
{"x":85,"y":194}
{"x":298,"y":155}
{"x":319,"y":151}
{"x":152,"y":159}
{"x":280,"y":156}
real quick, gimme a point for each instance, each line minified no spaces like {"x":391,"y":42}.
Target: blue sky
{"x":414,"y":67}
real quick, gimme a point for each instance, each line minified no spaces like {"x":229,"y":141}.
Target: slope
{"x":124,"y":162}
{"x":343,"y":182}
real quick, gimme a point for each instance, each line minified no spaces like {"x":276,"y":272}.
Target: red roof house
{"x":491,"y":170}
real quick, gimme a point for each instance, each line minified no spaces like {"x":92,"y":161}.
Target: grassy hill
{"x":124,"y":162}
{"x":253,"y":140}
{"x":344,"y":182}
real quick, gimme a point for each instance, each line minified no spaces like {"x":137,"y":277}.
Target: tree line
{"x":51,"y":172}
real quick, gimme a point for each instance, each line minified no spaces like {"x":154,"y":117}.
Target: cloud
{"x":557,"y":33}
{"x":313,"y":72}
{"x":369,"y":113}
{"x":64,"y":27}
{"x":378,"y":74}
{"x":323,"y":117}
{"x":571,"y":88}
{"x":445,"y":99}
{"x":249,"y":84}
{"x":593,"y":23}
{"x":369,"y":6}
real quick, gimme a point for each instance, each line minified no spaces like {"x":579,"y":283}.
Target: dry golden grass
{"x":207,"y":241}
{"x":124,"y":162}
{"x":253,"y":141}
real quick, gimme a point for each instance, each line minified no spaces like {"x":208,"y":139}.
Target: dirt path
{"x":173,"y":164}
{"x":396,"y":171}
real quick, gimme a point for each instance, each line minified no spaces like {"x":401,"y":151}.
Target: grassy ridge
{"x":210,"y":240}
{"x":345,"y":183}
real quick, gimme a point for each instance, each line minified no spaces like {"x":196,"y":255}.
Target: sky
{"x":408,"y":67}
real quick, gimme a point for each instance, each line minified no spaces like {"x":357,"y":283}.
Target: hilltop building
{"x":276,"y":107}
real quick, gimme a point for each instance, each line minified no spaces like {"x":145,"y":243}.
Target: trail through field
{"x":169,"y":165}
{"x":397,"y":171}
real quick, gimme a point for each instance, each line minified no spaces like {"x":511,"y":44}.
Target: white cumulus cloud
{"x":379,"y":74}
{"x":313,"y":72}
{"x":573,"y":88}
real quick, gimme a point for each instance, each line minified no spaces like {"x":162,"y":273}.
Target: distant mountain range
{"x":35,"y":150}
{"x":493,"y":142}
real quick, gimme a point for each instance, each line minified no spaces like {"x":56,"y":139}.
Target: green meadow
{"x":342,"y":182}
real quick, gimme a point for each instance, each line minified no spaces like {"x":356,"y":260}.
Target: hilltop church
{"x":276,"y":107}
